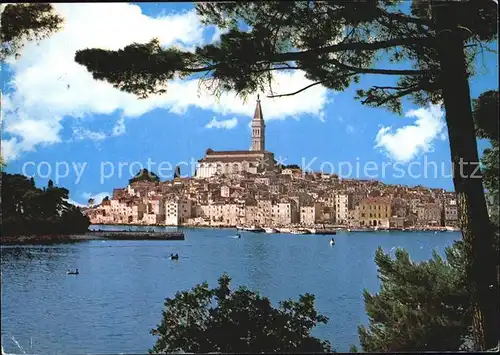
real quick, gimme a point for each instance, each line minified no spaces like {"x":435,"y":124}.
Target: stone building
{"x":310,"y":214}
{"x":284,"y":213}
{"x":254,"y":161}
{"x":177,"y":211}
{"x":341,"y":208}
{"x":451,"y":215}
{"x":432,"y":214}
{"x":375,"y":211}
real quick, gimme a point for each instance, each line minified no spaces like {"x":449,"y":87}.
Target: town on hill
{"x":284,"y":198}
{"x":238,"y":188}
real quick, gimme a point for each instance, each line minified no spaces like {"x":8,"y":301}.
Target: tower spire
{"x":258,"y":128}
{"x":258,"y":110}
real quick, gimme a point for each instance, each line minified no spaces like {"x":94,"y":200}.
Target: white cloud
{"x":48,"y":85}
{"x":98,"y":197}
{"x":75,"y":203}
{"x":82,"y":133}
{"x":227,"y":124}
{"x":408,"y":142}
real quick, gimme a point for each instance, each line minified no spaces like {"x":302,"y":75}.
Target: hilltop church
{"x":255,"y":160}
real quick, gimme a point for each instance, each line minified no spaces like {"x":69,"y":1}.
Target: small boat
{"x":174,"y":257}
{"x":322,"y":231}
{"x":285,"y":230}
{"x":271,"y":230}
{"x":72,"y":272}
{"x":254,"y":229}
{"x":332,"y":242}
{"x":237,"y":236}
{"x":300,"y":231}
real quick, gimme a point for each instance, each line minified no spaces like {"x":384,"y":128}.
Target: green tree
{"x":335,"y":43}
{"x":430,"y":299}
{"x":144,"y":175}
{"x":21,"y":22}
{"x":241,"y":321}
{"x":28,"y":210}
{"x":487,"y":127}
{"x":487,"y":124}
{"x":421,"y":306}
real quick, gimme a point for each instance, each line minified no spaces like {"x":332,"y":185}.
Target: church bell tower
{"x":258,"y":129}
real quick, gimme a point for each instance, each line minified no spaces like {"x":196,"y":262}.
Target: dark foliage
{"x":28,"y":210}
{"x":19,"y":22}
{"x":420,"y":306}
{"x":222,"y":320}
{"x":144,"y":175}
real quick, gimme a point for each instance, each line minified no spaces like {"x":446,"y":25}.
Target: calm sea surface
{"x":118,"y":296}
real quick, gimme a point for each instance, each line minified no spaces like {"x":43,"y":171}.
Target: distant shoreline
{"x":408,"y":229}
{"x":74,"y":238}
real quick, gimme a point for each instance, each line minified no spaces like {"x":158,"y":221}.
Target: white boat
{"x":332,"y":242}
{"x":271,"y":230}
{"x":284,"y":230}
{"x":300,"y":231}
{"x":254,"y":229}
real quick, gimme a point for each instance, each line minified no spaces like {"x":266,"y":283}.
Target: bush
{"x":221,"y":320}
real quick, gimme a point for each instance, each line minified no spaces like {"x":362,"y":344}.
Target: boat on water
{"x":285,"y":230}
{"x":174,"y":256}
{"x":322,"y":231}
{"x":300,"y":231}
{"x":332,"y":242}
{"x":271,"y":230}
{"x":254,"y":229}
{"x":76,"y":272}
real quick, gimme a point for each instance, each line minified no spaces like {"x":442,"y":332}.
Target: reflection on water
{"x":118,"y":296}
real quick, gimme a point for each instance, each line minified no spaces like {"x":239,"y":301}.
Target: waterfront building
{"x":310,"y":214}
{"x":374,"y":211}
{"x":177,"y":211}
{"x":254,"y":161}
{"x":284,"y":213}
{"x":432,"y":214}
{"x":451,"y":215}
{"x":341,"y":208}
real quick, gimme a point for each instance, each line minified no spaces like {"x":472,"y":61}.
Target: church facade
{"x":255,"y":160}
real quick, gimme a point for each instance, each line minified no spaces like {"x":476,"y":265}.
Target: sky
{"x":59,"y":123}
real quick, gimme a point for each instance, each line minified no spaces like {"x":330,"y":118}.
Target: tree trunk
{"x":473,"y":215}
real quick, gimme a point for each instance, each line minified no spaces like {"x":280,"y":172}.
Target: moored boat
{"x":254,"y":229}
{"x":284,"y":230}
{"x":271,"y":230}
{"x":322,"y":231}
{"x":300,"y":231}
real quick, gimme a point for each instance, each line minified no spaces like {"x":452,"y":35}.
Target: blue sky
{"x":56,"y":114}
